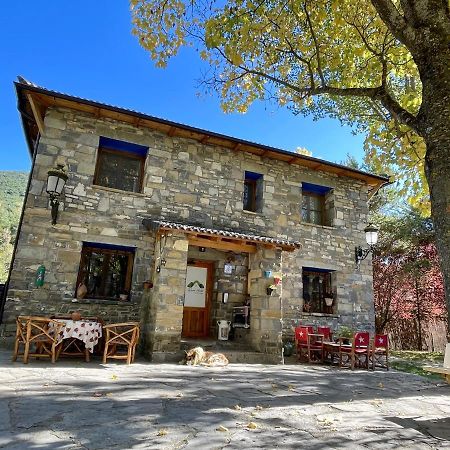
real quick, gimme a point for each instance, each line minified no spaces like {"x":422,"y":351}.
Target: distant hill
{"x":12,"y":191}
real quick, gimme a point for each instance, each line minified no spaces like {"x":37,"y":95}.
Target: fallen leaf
{"x":180,"y":394}
{"x":162,"y":432}
{"x":291,"y":387}
{"x":326,"y":421}
{"x":381,"y":385}
{"x":274,"y":386}
{"x":252,"y":426}
{"x":237,"y":407}
{"x":221,"y":428}
{"x":114,"y":377}
{"x":258,"y":408}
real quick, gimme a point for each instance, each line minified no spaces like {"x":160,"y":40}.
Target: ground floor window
{"x":318,"y":292}
{"x":105,"y":270}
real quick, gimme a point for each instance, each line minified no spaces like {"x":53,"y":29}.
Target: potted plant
{"x":329,"y":299}
{"x":346,"y":333}
{"x":288,"y":348}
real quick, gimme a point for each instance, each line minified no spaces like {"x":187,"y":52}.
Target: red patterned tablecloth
{"x":87,"y":331}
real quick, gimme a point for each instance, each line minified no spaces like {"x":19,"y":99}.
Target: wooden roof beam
{"x":37,"y":114}
{"x":171,"y":132}
{"x":238,"y":247}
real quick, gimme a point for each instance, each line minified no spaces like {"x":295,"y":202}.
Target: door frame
{"x":209,"y":265}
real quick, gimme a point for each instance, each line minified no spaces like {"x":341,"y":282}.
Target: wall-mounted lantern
{"x":371,"y":239}
{"x":56,"y":180}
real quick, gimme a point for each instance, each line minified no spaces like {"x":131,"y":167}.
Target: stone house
{"x":176,"y":227}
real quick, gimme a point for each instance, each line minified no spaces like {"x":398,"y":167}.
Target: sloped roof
{"x":285,"y":244}
{"x":33,"y":101}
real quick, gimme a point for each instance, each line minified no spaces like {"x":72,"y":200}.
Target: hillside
{"x":12,"y":191}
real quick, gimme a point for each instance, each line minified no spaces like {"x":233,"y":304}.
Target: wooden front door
{"x":197,"y":299}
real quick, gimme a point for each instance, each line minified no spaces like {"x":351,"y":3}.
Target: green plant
{"x":345,"y":331}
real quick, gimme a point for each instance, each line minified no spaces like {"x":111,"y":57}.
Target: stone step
{"x":213,"y":346}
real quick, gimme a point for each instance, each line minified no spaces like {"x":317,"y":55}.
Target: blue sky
{"x":85,"y":48}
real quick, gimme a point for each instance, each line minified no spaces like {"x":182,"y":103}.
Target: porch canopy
{"x":221,"y":239}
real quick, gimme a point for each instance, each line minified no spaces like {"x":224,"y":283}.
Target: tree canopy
{"x":380,"y":65}
{"x":335,"y":58}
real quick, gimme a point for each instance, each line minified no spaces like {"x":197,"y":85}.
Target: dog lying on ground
{"x":197,"y":355}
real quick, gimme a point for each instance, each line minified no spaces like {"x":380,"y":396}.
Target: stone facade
{"x":185,"y":181}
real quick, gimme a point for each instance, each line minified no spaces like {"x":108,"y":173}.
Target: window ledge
{"x":337,"y":316}
{"x":326,"y":227}
{"x":97,"y":187}
{"x":97,"y":301}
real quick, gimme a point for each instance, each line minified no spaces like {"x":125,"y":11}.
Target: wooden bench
{"x":444,"y":371}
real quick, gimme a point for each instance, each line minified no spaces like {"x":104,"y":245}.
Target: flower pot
{"x":75,"y":315}
{"x":288,"y":348}
{"x":123,"y":297}
{"x":270,"y":291}
{"x":329,"y":301}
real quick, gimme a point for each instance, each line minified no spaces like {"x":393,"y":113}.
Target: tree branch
{"x":396,"y":23}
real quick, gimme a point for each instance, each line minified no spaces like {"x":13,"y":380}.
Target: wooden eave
{"x":226,"y":243}
{"x":43,"y":99}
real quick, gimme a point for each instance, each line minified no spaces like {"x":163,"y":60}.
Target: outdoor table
{"x":87,"y":331}
{"x":333,"y":348}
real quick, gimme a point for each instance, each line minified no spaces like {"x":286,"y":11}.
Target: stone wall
{"x":185,"y":181}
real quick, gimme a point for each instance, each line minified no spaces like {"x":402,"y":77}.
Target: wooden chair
{"x":121,"y":336}
{"x":308,"y":344}
{"x":380,"y":351}
{"x":21,"y":335}
{"x":358,"y":351}
{"x":326,"y":331}
{"x":41,"y":333}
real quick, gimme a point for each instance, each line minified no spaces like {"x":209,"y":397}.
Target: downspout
{"x":3,"y":299}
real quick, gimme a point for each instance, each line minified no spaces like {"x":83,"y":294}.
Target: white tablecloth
{"x":87,"y":331}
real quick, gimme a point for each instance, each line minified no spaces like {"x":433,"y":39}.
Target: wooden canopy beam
{"x":221,"y":245}
{"x":35,"y":108}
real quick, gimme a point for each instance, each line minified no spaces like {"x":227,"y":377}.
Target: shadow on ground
{"x":73,"y":404}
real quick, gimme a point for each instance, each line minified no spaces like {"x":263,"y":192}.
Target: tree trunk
{"x":419,"y":313}
{"x":434,"y":118}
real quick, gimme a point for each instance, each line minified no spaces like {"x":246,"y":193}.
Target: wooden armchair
{"x":41,"y":335}
{"x":358,"y":353}
{"x":380,"y":351}
{"x":309,"y":344}
{"x":120,"y":341}
{"x":21,"y":335}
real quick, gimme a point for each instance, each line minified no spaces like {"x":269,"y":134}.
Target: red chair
{"x":308,"y":344}
{"x":357,"y":352}
{"x":380,"y":351}
{"x":326,"y":331}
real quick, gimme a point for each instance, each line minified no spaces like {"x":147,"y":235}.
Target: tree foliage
{"x":12,"y":191}
{"x":335,"y":58}
{"x":408,"y":283}
{"x":380,"y":65}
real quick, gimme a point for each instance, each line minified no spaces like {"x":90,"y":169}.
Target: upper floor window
{"x":253,"y":192}
{"x":106,"y":271}
{"x":120,"y":165}
{"x":314,"y":204}
{"x":318,"y":290}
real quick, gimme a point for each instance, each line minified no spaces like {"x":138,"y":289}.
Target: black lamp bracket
{"x":54,"y":203}
{"x":362,"y":253}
